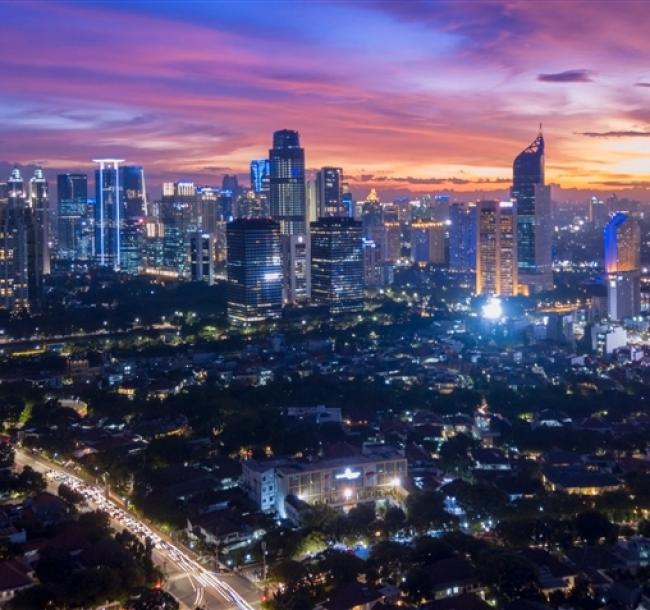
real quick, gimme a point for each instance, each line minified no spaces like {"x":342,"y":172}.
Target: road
{"x":190,"y":582}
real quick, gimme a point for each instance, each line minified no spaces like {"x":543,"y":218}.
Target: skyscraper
{"x":462,"y":237}
{"x":623,"y":266}
{"x":39,"y":203}
{"x":534,"y":223}
{"x":72,"y":192}
{"x":337,"y":264}
{"x":202,"y":257}
{"x":20,"y":268}
{"x":288,"y":207}
{"x":134,"y":201}
{"x":254,"y":268}
{"x":329,"y":192}
{"x":496,"y":248}
{"x":287,"y":182}
{"x":260,"y":176}
{"x":109,"y":214}
{"x":428,"y":242}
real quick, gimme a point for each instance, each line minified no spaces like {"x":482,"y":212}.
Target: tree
{"x":511,"y":575}
{"x":7,"y":454}
{"x":394,"y":519}
{"x":426,"y":511}
{"x":154,"y":599}
{"x":69,"y":494}
{"x":427,"y":550}
{"x":593,"y":525}
{"x":341,"y":568}
{"x":389,"y":559}
{"x":454,"y":452}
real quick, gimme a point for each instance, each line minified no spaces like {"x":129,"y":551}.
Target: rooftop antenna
{"x":540,"y":128}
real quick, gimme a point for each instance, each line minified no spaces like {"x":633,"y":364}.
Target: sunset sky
{"x":423,"y":96}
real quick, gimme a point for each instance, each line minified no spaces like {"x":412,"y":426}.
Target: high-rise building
{"x":72,"y":192}
{"x":202,"y":257}
{"x":134,"y":196}
{"x":288,"y":207}
{"x":337,"y":264}
{"x":462,"y":237}
{"x":254,"y":267}
{"x":132,"y":245}
{"x":287,"y":183}
{"x":496,"y":248}
{"x":534,"y":222}
{"x":109,"y":213}
{"x":428,"y":242}
{"x":39,"y":203}
{"x":20,"y":269}
{"x":260,"y":176}
{"x":623,"y":266}
{"x":329,"y":192}
{"x":598,"y":213}
{"x":347,"y":202}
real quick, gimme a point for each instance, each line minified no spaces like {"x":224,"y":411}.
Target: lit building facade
{"x":496,"y":248}
{"x":329,"y":192}
{"x":254,"y":267}
{"x":39,"y":203}
{"x":109,"y":213}
{"x":337,"y":264}
{"x":202,"y":257}
{"x":428,"y":242}
{"x":534,"y":222}
{"x":340,"y":482}
{"x":72,"y":194}
{"x":623,"y":266}
{"x":462,"y":237}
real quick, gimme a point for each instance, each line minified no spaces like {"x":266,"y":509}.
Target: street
{"x":192,"y":584}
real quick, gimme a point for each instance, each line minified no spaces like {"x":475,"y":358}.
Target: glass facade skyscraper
{"x":623,"y":266}
{"x":254,"y":267}
{"x":72,"y":192}
{"x":133,"y":191}
{"x":337,"y":264}
{"x":462,"y":237}
{"x":329,"y":192}
{"x":260,"y":176}
{"x":109,"y":213}
{"x":534,"y":223}
{"x":287,"y":183}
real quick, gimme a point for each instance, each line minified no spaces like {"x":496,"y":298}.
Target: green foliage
{"x":426,"y":511}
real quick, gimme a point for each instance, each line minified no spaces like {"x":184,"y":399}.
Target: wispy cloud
{"x":628,"y":133}
{"x":568,"y":76}
{"x":642,"y":84}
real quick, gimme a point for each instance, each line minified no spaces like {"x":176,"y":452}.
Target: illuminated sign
{"x":348,"y":474}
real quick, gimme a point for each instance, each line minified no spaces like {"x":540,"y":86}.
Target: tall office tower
{"x":288,"y":206}
{"x":230,"y":192}
{"x":72,"y":192}
{"x":287,"y":183}
{"x":428,"y":242}
{"x":20,"y":277}
{"x":598,"y":214}
{"x":534,"y":222}
{"x":260,"y":176}
{"x":496,"y":248}
{"x":372,"y":265}
{"x":347,"y":203}
{"x":254,"y":268}
{"x":153,"y":246}
{"x":440,"y":208}
{"x":134,"y":196}
{"x":39,"y":202}
{"x":337,"y":264}
{"x":202,"y":257}
{"x":132,"y":245}
{"x":180,"y":206}
{"x":329,"y":192}
{"x":109,"y":214}
{"x":623,"y":266}
{"x":208,"y":203}
{"x":462,"y":237}
{"x":391,"y":233}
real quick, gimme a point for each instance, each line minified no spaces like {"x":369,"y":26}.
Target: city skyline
{"x":446,"y":110}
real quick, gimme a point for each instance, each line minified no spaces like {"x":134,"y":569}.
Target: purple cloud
{"x":568,"y":76}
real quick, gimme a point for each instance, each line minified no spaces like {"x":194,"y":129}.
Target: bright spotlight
{"x":493,"y":310}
